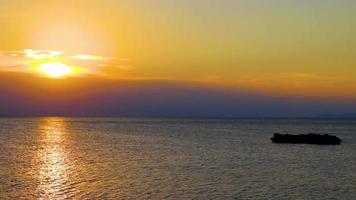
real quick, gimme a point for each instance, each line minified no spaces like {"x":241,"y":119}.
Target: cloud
{"x":24,"y":60}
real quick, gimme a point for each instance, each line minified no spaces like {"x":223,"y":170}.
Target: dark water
{"x":69,"y":158}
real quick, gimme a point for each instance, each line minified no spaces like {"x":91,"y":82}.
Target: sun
{"x":55,"y":69}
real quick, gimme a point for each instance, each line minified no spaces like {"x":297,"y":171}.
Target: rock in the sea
{"x":310,"y":138}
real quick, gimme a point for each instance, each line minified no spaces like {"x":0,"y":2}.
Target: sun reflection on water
{"x":53,"y":158}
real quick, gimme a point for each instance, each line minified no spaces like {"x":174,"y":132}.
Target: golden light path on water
{"x":54,"y":163}
{"x":108,"y":158}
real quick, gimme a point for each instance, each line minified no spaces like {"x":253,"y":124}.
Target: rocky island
{"x":310,"y":138}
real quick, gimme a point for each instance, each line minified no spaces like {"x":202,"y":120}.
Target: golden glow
{"x":39,"y":55}
{"x":55,"y":64}
{"x":237,"y":47}
{"x":53,"y":158}
{"x":55,"y":69}
{"x":88,"y":57}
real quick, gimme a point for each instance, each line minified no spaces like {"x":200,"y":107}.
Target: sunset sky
{"x":208,"y":57}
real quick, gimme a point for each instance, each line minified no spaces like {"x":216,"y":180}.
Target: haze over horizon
{"x":93,"y":96}
{"x":203,"y":58}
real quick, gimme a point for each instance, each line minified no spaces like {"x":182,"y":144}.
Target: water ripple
{"x":67,"y":158}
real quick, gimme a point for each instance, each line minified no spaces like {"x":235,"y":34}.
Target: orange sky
{"x":302,"y":48}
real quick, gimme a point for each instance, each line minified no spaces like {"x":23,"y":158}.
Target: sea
{"x":152,"y":158}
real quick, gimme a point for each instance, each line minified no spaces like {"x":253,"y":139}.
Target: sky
{"x":243,"y":57}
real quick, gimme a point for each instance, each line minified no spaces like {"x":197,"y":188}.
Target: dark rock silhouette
{"x":310,"y":138}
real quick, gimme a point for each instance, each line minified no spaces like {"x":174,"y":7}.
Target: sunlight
{"x":54,"y":158}
{"x":55,"y":69}
{"x":39,"y":55}
{"x":89,"y":57}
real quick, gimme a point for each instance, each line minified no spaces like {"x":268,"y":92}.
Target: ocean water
{"x":109,"y":158}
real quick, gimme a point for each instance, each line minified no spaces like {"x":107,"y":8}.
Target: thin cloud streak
{"x":22,"y":60}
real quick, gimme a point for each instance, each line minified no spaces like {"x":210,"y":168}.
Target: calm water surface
{"x":77,"y":158}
